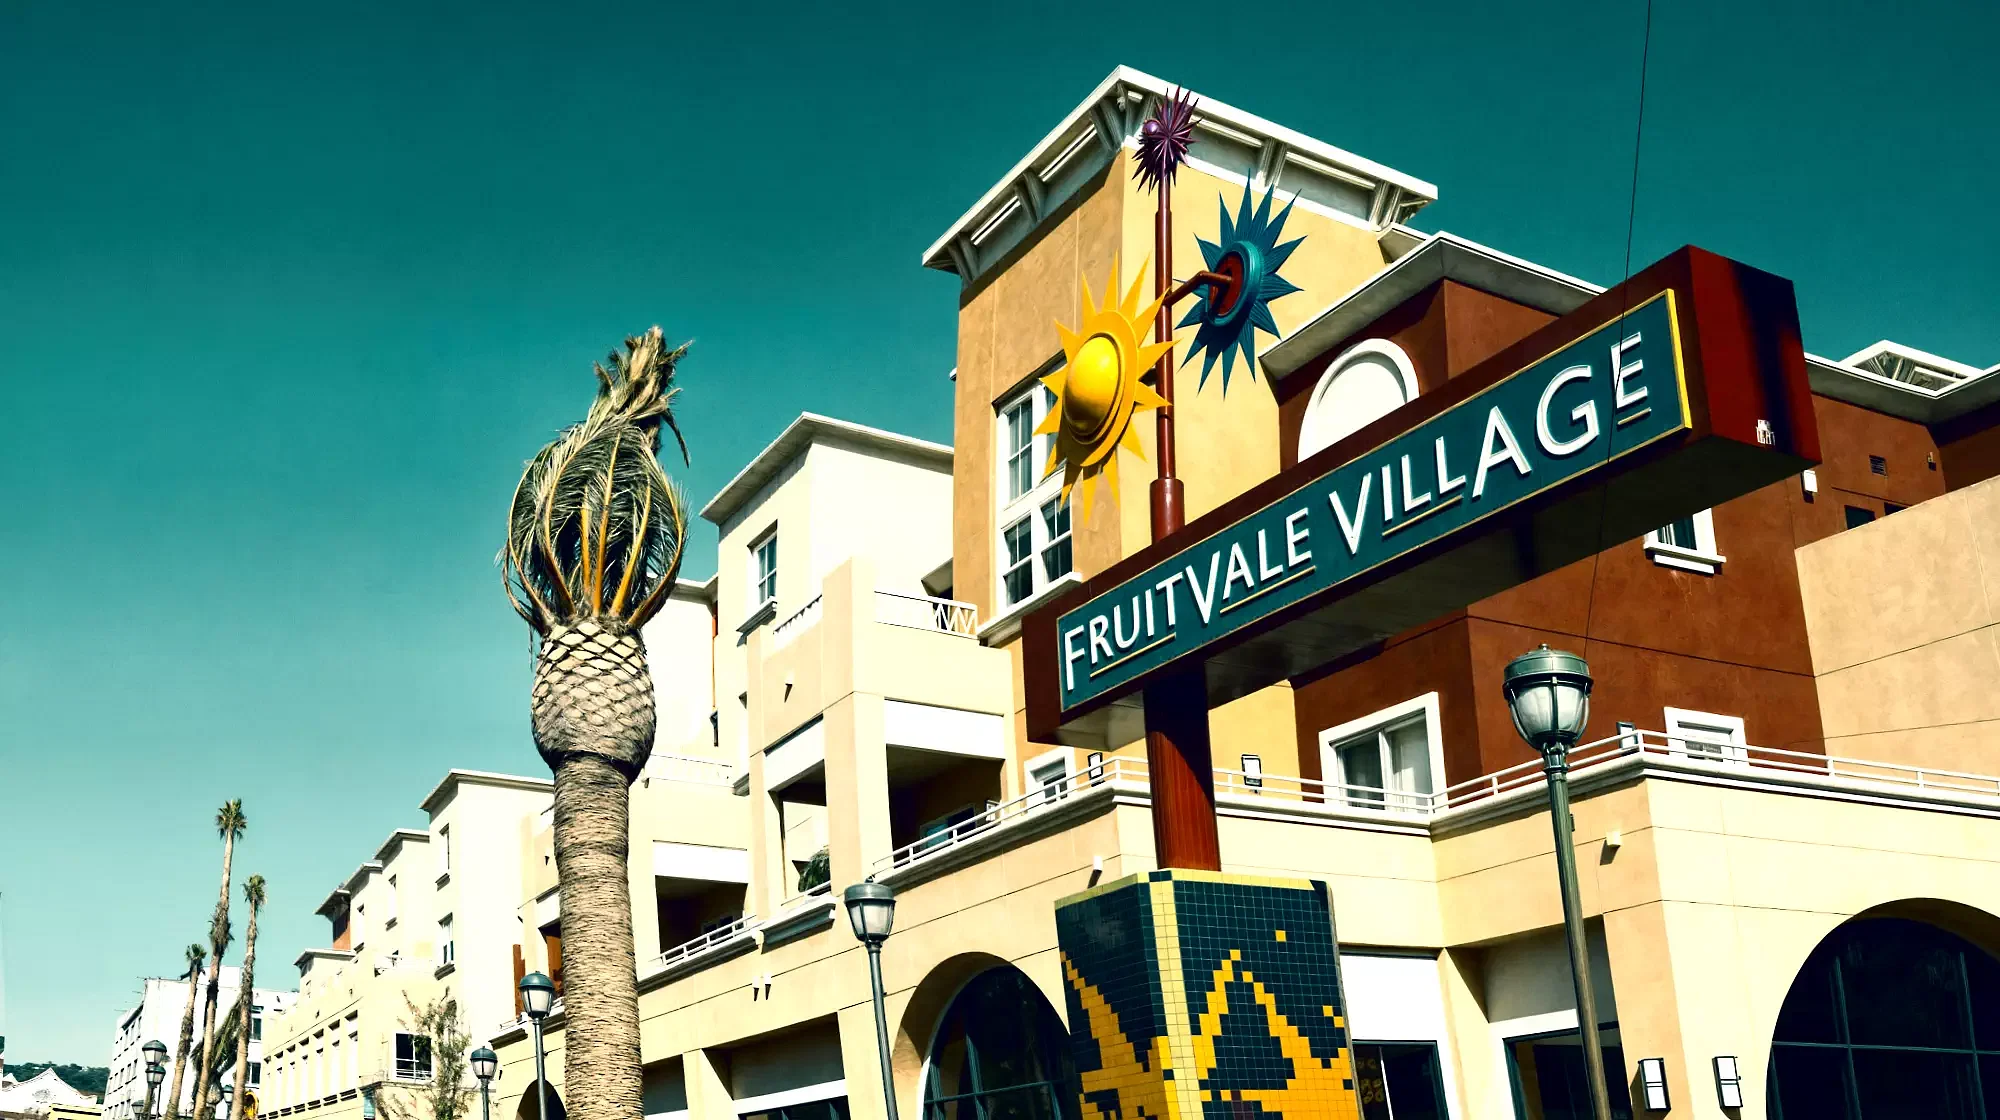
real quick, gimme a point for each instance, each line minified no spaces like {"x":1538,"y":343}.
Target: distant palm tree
{"x":229,"y":824}
{"x":195,"y":955}
{"x":246,"y":1009}
{"x":594,"y":540}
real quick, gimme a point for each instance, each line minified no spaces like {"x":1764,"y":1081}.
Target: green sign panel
{"x":1609,"y":393}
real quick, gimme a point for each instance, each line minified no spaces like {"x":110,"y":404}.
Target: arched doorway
{"x":1890,"y":1017}
{"x":1000,"y":1053}
{"x":531,"y":1109}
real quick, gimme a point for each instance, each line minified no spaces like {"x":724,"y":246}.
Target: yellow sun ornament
{"x":1098,"y":388}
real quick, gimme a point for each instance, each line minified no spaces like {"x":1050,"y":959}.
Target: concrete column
{"x":861,"y":1063}
{"x":705,"y":1076}
{"x":857,"y":789}
{"x":1462,"y":976}
{"x":1649,"y":1009}
{"x":768,"y":881}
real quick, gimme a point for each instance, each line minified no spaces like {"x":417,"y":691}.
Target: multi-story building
{"x":431,"y":917}
{"x":1788,"y":855}
{"x":157,"y":1015}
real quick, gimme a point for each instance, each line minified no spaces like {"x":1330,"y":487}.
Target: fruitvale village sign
{"x":1679,"y":389}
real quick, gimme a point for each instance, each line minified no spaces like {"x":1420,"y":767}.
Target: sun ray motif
{"x":1098,"y":388}
{"x":1247,"y":251}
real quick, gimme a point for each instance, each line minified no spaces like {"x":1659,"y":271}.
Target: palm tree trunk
{"x":218,"y":935}
{"x":600,"y":983}
{"x":172,"y":1110}
{"x":244,"y":1018}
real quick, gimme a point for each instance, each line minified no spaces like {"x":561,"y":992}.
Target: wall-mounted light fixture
{"x":1095,"y":760}
{"x":1728,"y":1082}
{"x":1809,"y":480}
{"x":1653,"y":1083}
{"x":1253,"y":771}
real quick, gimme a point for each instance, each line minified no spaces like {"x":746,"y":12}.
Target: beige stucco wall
{"x":1902,"y":615}
{"x":680,"y":649}
{"x":1703,"y":913}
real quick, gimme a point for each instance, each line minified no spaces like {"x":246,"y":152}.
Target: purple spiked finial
{"x":1164,"y":139}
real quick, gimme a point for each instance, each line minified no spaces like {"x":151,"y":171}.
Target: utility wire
{"x":1624,"y":304}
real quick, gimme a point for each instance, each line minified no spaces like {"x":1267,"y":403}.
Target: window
{"x":1891,"y":507}
{"x":444,"y":841}
{"x":1878,"y":465}
{"x":1706,"y":735}
{"x":1857,"y":516}
{"x":1369,"y":380}
{"x":764,"y":569}
{"x":1399,"y":1081}
{"x":1389,"y":760}
{"x":447,"y":949}
{"x":256,"y":1073}
{"x":1049,"y":773}
{"x":413,"y":1057}
{"x":1034,"y":521}
{"x":1687,"y":544}
{"x":389,"y":905}
{"x":256,"y":1029}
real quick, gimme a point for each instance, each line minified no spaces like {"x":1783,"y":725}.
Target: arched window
{"x":1889,"y":1018}
{"x":1369,"y":380}
{"x":1001,"y":1054}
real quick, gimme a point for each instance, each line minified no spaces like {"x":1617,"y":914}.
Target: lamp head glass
{"x":1548,"y":693}
{"x":485,"y":1063}
{"x":538,"y":994}
{"x":871,"y":910}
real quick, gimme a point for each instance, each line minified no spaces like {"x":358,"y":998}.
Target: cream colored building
{"x":872,"y":695}
{"x":431,"y":916}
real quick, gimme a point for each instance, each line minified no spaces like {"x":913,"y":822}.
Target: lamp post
{"x":1548,"y":692}
{"x":222,"y":1101}
{"x":871,"y":910}
{"x":156,"y":1072}
{"x":485,"y":1063}
{"x":538,"y":995}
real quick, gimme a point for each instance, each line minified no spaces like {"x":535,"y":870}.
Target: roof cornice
{"x":1441,"y":256}
{"x":1227,"y":139}
{"x":454,"y":778}
{"x":808,"y":429}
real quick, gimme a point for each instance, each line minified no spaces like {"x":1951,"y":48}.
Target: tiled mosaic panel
{"x":1195,"y":996}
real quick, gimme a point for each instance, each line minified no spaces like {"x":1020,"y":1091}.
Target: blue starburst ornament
{"x":1230,"y":314}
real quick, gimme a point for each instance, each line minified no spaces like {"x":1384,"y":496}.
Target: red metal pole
{"x":1177,"y":747}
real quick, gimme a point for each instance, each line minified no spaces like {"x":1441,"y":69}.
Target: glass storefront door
{"x":1399,"y":1081}
{"x":1549,"y":1079}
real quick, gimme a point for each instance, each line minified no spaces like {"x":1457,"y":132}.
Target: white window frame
{"x":1029,"y":505}
{"x":1423,"y":707}
{"x":1048,"y":760}
{"x":1685,"y":724}
{"x":1703,"y":558}
{"x":1317,"y":422}
{"x":757,"y":576}
{"x":447,"y":947}
{"x":396,"y":1061}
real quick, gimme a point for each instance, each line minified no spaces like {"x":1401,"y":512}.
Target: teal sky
{"x":287,"y":293}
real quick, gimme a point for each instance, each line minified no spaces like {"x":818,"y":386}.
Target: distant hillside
{"x":90,"y":1079}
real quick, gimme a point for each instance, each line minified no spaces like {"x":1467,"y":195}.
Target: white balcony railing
{"x":688,"y":768}
{"x":795,"y":624}
{"x":1332,"y":803}
{"x":922,"y":612}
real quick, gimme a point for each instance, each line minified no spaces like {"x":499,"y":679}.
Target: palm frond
{"x":596,"y":529}
{"x":253,"y":892}
{"x":229,"y":820}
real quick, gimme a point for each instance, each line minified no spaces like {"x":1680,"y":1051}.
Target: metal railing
{"x":795,"y":624}
{"x":922,"y":612}
{"x":817,"y":890}
{"x":709,"y":940}
{"x":688,"y":768}
{"x":1038,"y":800}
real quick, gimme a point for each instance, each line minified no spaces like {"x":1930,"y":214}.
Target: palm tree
{"x":195,"y":955}
{"x":246,"y":1011}
{"x":594,"y":540}
{"x":229,"y":824}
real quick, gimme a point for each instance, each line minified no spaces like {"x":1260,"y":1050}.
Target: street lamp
{"x":228,"y":1091}
{"x":155,"y":1073}
{"x":871,"y":910}
{"x":1548,"y":691}
{"x":485,"y":1063}
{"x":538,"y":994}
